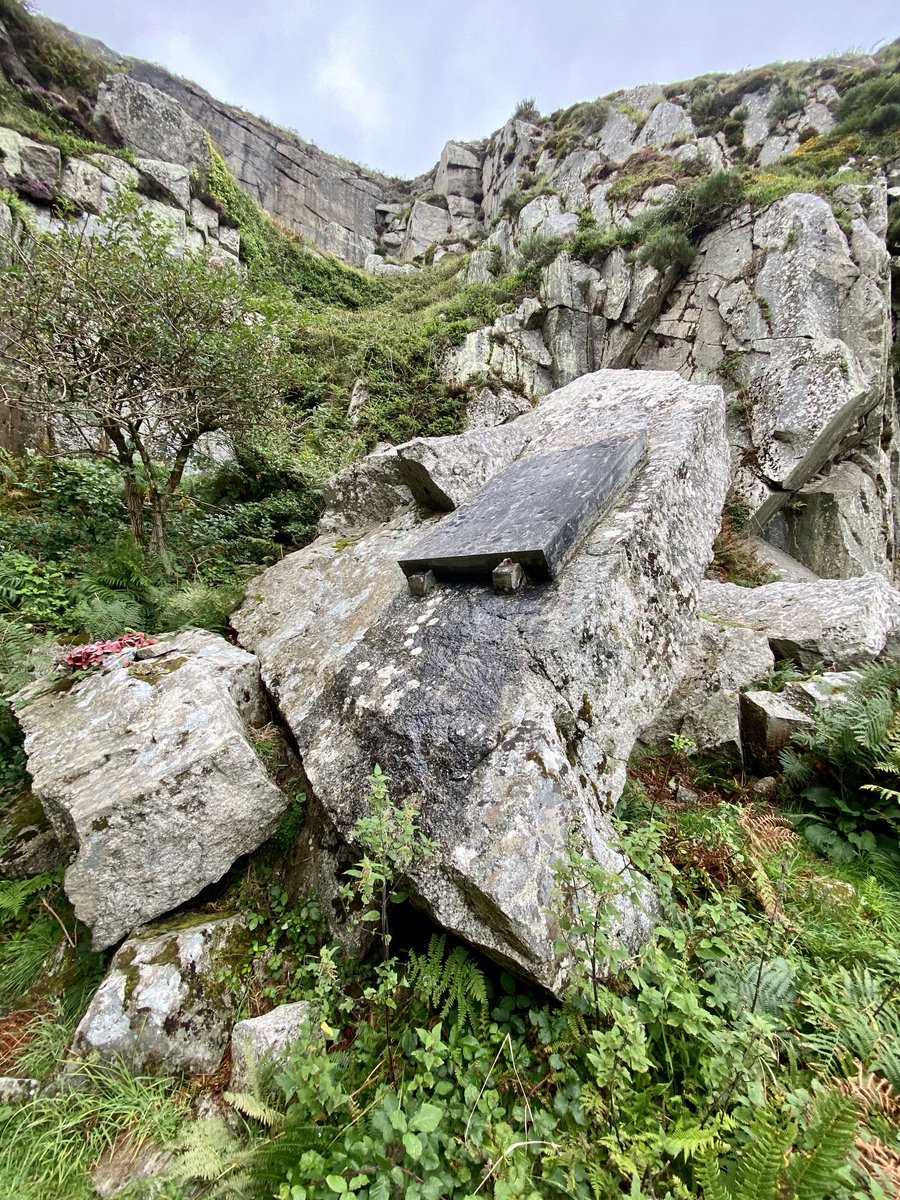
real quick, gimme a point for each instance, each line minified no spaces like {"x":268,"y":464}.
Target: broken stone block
{"x":768,"y":722}
{"x":421,"y":584}
{"x":264,"y":1042}
{"x":704,"y":706}
{"x":166,"y":1004}
{"x":508,"y":576}
{"x":156,"y":754}
{"x":841,"y":622}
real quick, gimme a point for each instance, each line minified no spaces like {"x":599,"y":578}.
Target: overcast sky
{"x":387,"y":82}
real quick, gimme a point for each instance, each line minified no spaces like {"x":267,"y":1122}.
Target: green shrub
{"x":526,"y":110}
{"x":871,"y":104}
{"x":789,"y":100}
{"x":667,"y":247}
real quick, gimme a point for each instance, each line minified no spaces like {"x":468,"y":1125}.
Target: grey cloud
{"x":387,"y":84}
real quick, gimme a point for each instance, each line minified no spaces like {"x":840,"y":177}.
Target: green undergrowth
{"x":760,"y":1019}
{"x":389,"y":332}
{"x":750,"y":1049}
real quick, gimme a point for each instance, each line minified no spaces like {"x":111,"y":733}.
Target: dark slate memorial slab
{"x":534,"y":512}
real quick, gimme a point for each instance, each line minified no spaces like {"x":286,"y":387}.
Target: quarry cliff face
{"x":332,"y":202}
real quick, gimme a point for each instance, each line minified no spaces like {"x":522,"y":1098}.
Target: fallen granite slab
{"x":149,"y":776}
{"x":166,"y":1004}
{"x":533,"y":513}
{"x":838,"y":622}
{"x":508,"y":719}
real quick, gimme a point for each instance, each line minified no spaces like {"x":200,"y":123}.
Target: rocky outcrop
{"x":837,"y":622}
{"x":329,"y":200}
{"x":168,"y":1000}
{"x":150,"y":123}
{"x":507,"y":719}
{"x":835,"y":524}
{"x":149,"y":777}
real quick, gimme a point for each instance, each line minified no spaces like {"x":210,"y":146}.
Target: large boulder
{"x":839,"y":622}
{"x":150,"y":123}
{"x":507,"y":718}
{"x":169,"y":999}
{"x":149,"y":777}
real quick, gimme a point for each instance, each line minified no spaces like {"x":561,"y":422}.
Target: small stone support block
{"x":421,"y":583}
{"x":508,"y":576}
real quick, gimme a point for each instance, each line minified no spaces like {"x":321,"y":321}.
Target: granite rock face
{"x":508,"y":719}
{"x":163,"y":1005}
{"x":835,"y":525}
{"x":326,"y":199}
{"x":150,"y":779}
{"x":150,"y":123}
{"x":841,"y":622}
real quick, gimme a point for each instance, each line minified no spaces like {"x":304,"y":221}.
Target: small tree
{"x":135,"y":348}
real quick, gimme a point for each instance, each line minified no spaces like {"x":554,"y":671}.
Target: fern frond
{"x":795,"y":770}
{"x":880,"y":1162}
{"x":764,"y":1157}
{"x":711,"y":1179}
{"x":767,"y":832}
{"x":256,"y":1109}
{"x":447,"y":983}
{"x":873,"y":1094}
{"x":206,"y":1151}
{"x":870,"y":719}
{"x":812,"y":1175}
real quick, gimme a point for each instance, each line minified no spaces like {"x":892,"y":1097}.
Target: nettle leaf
{"x":427,"y":1118}
{"x":412,"y":1144}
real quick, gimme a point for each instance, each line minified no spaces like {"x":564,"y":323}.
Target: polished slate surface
{"x":534,"y":512}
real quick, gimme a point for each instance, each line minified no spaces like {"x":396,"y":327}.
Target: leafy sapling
{"x":390,"y":841}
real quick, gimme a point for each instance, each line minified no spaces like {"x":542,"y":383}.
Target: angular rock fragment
{"x":168,"y":1000}
{"x":261,"y":1043}
{"x":149,"y":777}
{"x":768,"y":722}
{"x":705,"y":705}
{"x":507,"y":719}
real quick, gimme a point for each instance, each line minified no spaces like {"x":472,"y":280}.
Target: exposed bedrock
{"x":509,"y":718}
